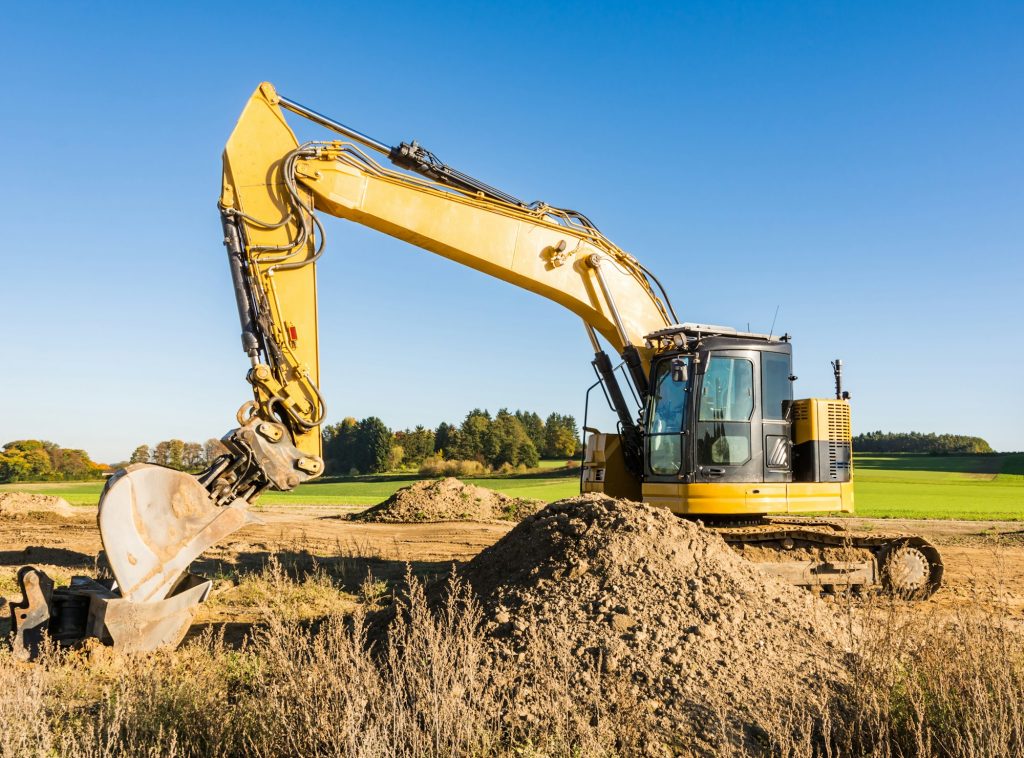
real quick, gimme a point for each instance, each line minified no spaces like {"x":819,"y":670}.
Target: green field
{"x":888,"y":486}
{"x":925,"y":486}
{"x":553,"y":482}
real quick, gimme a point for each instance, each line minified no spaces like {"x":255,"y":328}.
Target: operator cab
{"x":719,"y":407}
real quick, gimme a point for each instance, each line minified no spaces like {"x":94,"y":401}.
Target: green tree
{"x":560,"y":440}
{"x":162,"y":453}
{"x":192,"y":456}
{"x":38,"y":460}
{"x":340,"y":446}
{"x":71,"y":465}
{"x":533,"y":425}
{"x":511,"y":443}
{"x":176,"y":454}
{"x":373,"y":446}
{"x":417,"y":444}
{"x":395,"y":457}
{"x":140,"y":454}
{"x":917,"y":442}
{"x":26,"y":460}
{"x":446,"y":439}
{"x":475,"y":441}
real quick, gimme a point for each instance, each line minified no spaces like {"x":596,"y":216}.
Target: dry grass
{"x":918,"y":686}
{"x":931,"y":684}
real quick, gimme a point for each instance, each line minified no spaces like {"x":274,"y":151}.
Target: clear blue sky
{"x":860,"y":165}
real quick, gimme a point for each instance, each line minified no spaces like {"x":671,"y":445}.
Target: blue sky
{"x":859,"y":165}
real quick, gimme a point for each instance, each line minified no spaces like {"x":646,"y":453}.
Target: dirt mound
{"x":660,"y":606}
{"x":449,"y":500}
{"x":25,"y":504}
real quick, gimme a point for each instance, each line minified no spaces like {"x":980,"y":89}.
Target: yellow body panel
{"x":817,"y":419}
{"x":252,"y":184}
{"x":604,"y":468}
{"x":503,"y":241}
{"x":729,"y":499}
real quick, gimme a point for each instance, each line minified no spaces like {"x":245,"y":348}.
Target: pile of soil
{"x":15,"y":505}
{"x":660,"y":606}
{"x":449,"y":500}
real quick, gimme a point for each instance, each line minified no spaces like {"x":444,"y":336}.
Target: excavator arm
{"x":273,"y":187}
{"x":155,"y":521}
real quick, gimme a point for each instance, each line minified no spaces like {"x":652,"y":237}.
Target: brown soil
{"x":659,"y":605}
{"x":981,"y":565}
{"x":449,"y":500}
{"x":23,"y":504}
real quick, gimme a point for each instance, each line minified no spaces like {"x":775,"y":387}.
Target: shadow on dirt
{"x":347,"y":572}
{"x":47,"y":556}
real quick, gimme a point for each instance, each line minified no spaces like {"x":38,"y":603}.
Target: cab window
{"x":726,"y":405}
{"x":776,"y":389}
{"x":667,"y":420}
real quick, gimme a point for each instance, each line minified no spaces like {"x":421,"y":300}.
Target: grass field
{"x":888,"y":486}
{"x":924,"y":486}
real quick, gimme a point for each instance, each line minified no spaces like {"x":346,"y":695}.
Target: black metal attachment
{"x":629,"y":432}
{"x":243,"y":298}
{"x":414,"y":157}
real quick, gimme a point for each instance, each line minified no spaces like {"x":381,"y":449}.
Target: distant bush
{"x":42,"y":461}
{"x":508,"y":468}
{"x":917,"y":442}
{"x":435,"y":466}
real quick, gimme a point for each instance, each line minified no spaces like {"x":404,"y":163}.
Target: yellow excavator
{"x":706,"y":422}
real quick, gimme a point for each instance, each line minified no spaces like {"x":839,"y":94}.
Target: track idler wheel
{"x":911,"y":569}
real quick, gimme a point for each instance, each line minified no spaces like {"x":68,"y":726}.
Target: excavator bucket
{"x":154,"y":522}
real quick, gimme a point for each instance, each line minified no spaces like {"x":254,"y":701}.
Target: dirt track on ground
{"x":984,"y":560}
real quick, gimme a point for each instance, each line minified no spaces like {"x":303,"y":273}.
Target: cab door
{"x":728,"y":435}
{"x":776,"y":398}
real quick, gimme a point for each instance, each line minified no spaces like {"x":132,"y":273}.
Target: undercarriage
{"x":824,"y":555}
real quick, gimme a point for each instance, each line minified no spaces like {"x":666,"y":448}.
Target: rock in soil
{"x":449,"y":500}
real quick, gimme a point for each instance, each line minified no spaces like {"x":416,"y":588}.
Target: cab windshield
{"x":666,"y":421}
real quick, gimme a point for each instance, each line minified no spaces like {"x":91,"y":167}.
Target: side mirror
{"x":680,"y":370}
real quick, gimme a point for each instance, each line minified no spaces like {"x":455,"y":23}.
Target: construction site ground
{"x":983,"y":559}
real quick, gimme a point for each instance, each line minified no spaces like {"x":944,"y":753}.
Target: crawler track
{"x":823,"y":554}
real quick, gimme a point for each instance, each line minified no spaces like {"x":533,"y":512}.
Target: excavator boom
{"x":272,"y":186}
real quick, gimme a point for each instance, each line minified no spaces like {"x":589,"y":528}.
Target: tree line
{"x":42,"y":461}
{"x":918,"y":442}
{"x":503,"y":441}
{"x":178,"y":454}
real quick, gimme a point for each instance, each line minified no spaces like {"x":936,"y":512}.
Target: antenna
{"x":772,"y":330}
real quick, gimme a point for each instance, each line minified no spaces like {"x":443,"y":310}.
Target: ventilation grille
{"x":838,"y":461}
{"x":839,"y":422}
{"x":801,"y":411}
